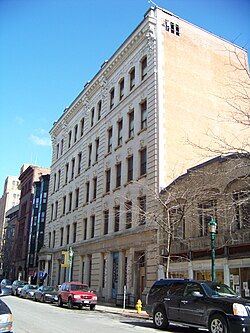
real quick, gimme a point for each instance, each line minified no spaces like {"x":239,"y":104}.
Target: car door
{"x":172,"y":300}
{"x":193,"y":304}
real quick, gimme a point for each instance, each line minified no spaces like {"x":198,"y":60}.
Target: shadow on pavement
{"x":171,"y":329}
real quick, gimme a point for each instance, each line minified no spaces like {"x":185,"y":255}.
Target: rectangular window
{"x":132,"y":78}
{"x":143,"y":161}
{"x":172,"y":27}
{"x":54,"y":187}
{"x":77,"y":198}
{"x":131,"y":124}
{"x":59,"y":180}
{"x":106,"y":222}
{"x":87,"y":192}
{"x":130,"y":168}
{"x":109,"y":139}
{"x":206,"y":210}
{"x":97,"y":142}
{"x":119,"y":136}
{"x":69,"y":138}
{"x":74,"y":231}
{"x":79,"y":163}
{"x":94,"y":188}
{"x":117,"y":218}
{"x":177,"y":222}
{"x":142,"y":210}
{"x":70,"y":201}
{"x":51,"y":212}
{"x":85,"y":224}
{"x":90,"y":154}
{"x":92,"y":117}
{"x":118,"y":174}
{"x":62,"y":142}
{"x":144,"y":65}
{"x":144,"y":114}
{"x":57,"y":150}
{"x":177,"y":30}
{"x":49,"y":239}
{"x":82,"y":126}
{"x":108,"y":178}
{"x":66,"y":172}
{"x":121,"y":89}
{"x":72,"y":168}
{"x":67,"y":234}
{"x":56,"y":209}
{"x":242,"y":209}
{"x":99,"y":109}
{"x":61,"y":236}
{"x":54,"y":238}
{"x":64,"y":205}
{"x":92,"y":226}
{"x":112,"y":98}
{"x":128,"y":206}
{"x":75,"y":133}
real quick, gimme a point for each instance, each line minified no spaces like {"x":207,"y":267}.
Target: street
{"x":34,"y":317}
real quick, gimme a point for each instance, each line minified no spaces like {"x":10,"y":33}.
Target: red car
{"x":76,"y":294}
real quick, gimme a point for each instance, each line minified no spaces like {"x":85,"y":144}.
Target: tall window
{"x":70,"y":201}
{"x":143,"y":161}
{"x":177,"y":222}
{"x":66,"y":172}
{"x":74,"y":231}
{"x":131,"y":124}
{"x":56,"y":209}
{"x":77,"y":198}
{"x":92,"y":226}
{"x":92,"y":117}
{"x":97,"y":142}
{"x":99,"y":109}
{"x":130,"y":168}
{"x":59,"y":180}
{"x":132,"y":78}
{"x":90,"y":153}
{"x":119,"y":136}
{"x":144,"y":114}
{"x":61,"y":236}
{"x":67,"y":234}
{"x":64,"y":205}
{"x":117,"y":218}
{"x":118,"y":174}
{"x":142,"y":210}
{"x":87,"y":192}
{"x":106,"y":222}
{"x":128,"y":206}
{"x":121,"y":89}
{"x":242,"y":208}
{"x":94,"y":187}
{"x":54,"y":187}
{"x":82,"y":126}
{"x":72,"y":168}
{"x":85,"y":225}
{"x":54,"y":239}
{"x":51,"y":212}
{"x":112,"y":97}
{"x":62,"y":143}
{"x":109,"y":139}
{"x":49,"y":239}
{"x":108,"y":177}
{"x":57,"y":150}
{"x":75,"y":133}
{"x":172,"y":27}
{"x":206,"y":210}
{"x":69,"y":138}
{"x":144,"y":65}
{"x":79,"y":163}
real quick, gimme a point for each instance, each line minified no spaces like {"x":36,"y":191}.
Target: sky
{"x":49,"y":49}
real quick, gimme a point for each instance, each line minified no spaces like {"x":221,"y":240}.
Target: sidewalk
{"x":123,"y":312}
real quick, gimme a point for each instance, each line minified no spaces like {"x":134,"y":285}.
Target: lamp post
{"x":71,"y":254}
{"x":212,"y":225}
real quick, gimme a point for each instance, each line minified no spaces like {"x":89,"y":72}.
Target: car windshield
{"x":49,"y":289}
{"x":32,"y":287}
{"x":6,"y":282}
{"x":79,"y":287}
{"x":217,"y":289}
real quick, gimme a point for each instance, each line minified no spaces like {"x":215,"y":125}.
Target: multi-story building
{"x":218,"y":189}
{"x":28,"y":176}
{"x":37,"y":224}
{"x":122,"y":139}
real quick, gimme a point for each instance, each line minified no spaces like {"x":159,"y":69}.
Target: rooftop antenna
{"x":153,"y":3}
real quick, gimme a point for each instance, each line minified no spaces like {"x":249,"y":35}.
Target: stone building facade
{"x":121,"y":140}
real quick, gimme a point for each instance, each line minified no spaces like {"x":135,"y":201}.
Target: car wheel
{"x":92,"y":307}
{"x":70,"y":303}
{"x":35,"y":299}
{"x":43,"y":299}
{"x":59,"y":302}
{"x":160,"y":318}
{"x":80,"y":306}
{"x":217,"y":324}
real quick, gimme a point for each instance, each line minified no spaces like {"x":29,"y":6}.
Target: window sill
{"x":76,"y":208}
{"x":93,"y":200}
{"x":129,"y":182}
{"x":95,"y":163}
{"x":129,"y":139}
{"x":118,"y":147}
{"x":109,"y":153}
{"x":68,"y":212}
{"x":107,"y":193}
{"x":117,"y":188}
{"x":142,"y":176}
{"x":85,"y":204}
{"x":77,"y":175}
{"x":87,"y":168}
{"x":142,"y":130}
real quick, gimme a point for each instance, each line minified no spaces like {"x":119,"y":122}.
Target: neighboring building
{"x":28,"y":176}
{"x":120,"y":141}
{"x":220,"y":189}
{"x":8,"y":242}
{"x":37,"y":224}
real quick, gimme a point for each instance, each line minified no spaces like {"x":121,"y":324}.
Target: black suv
{"x":200,"y":304}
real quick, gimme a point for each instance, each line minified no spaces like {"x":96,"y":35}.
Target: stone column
{"x":226,"y":273}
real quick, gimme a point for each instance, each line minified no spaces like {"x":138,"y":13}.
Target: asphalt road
{"x":34,"y":317}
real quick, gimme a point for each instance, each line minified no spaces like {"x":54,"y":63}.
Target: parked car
{"x":76,"y":294}
{"x":5,"y":291}
{"x":46,"y":294}
{"x":17,"y":284}
{"x":6,"y":319}
{"x":197,"y":304}
{"x":28,"y":291}
{"x":6,"y":283}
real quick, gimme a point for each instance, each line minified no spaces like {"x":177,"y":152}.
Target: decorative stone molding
{"x":142,"y":143}
{"x":129,"y":151}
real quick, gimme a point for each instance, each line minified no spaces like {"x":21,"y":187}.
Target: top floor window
{"x":112,"y":98}
{"x":99,"y":109}
{"x":92,"y":117}
{"x":144,"y":65}
{"x":57,"y":150}
{"x":242,"y":208}
{"x":206,"y":211}
{"x":172,"y":27}
{"x":121,"y":89}
{"x":69,"y":138}
{"x":132,"y":78}
{"x":75,"y":133}
{"x":82,"y":126}
{"x":62,"y":142}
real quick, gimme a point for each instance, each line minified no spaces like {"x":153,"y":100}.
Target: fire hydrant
{"x":138,"y":306}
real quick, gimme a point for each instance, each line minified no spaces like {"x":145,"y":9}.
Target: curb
{"x":124,"y":314}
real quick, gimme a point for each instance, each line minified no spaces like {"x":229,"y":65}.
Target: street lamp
{"x":212,"y":225}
